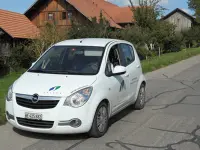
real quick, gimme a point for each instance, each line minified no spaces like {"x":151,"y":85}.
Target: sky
{"x":21,"y":6}
{"x":168,"y":4}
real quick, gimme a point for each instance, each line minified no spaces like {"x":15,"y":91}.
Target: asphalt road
{"x":170,"y":120}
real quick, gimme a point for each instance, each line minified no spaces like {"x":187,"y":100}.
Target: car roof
{"x":99,"y":42}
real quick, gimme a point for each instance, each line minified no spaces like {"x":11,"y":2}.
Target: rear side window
{"x":128,"y":54}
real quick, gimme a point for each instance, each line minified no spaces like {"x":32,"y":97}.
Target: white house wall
{"x":181,"y":21}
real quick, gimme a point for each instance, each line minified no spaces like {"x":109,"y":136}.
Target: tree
{"x":195,"y":6}
{"x":49,"y":35}
{"x":192,"y":36}
{"x":153,"y":32}
{"x":97,"y":28}
{"x":147,"y":13}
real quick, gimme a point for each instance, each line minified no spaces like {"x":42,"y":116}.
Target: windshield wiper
{"x":37,"y":71}
{"x":64,"y":72}
{"x":55,"y":71}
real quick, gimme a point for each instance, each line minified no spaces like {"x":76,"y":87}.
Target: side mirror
{"x":32,"y":64}
{"x":119,"y":70}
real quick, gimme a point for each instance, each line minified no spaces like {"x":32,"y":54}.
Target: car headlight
{"x":79,"y":98}
{"x":10,"y":93}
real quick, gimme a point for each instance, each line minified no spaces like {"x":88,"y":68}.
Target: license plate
{"x":33,"y":116}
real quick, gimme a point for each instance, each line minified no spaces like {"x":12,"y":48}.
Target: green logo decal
{"x":55,"y":88}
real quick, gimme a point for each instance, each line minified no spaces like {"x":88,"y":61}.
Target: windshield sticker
{"x":55,"y":88}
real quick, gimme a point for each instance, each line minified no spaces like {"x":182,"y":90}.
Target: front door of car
{"x":128,"y":58}
{"x":120,"y":84}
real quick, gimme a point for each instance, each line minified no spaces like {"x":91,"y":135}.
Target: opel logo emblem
{"x":35,"y":98}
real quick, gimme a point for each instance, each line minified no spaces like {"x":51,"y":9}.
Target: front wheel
{"x":100,"y":122}
{"x":140,"y":102}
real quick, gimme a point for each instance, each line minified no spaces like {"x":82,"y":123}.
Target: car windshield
{"x":77,"y":60}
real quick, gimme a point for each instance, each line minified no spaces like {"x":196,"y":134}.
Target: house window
{"x":178,"y":21}
{"x":50,"y":16}
{"x":173,"y":21}
{"x":69,"y":14}
{"x":64,"y":16}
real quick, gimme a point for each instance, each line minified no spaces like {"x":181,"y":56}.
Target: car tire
{"x":140,"y":102}
{"x":100,"y":121}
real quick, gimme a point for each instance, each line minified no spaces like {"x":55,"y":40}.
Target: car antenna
{"x":81,"y":41}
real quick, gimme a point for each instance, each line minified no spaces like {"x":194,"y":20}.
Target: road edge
{"x":173,"y":69}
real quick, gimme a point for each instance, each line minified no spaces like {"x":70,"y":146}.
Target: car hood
{"x":51,"y":84}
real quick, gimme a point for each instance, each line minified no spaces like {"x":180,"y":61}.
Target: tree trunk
{"x":159,"y":51}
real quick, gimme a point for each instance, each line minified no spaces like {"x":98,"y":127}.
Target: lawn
{"x":147,"y":65}
{"x":5,"y":82}
{"x":167,"y":59}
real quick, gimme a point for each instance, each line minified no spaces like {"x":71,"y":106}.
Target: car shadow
{"x":41,"y":136}
{"x":121,"y":115}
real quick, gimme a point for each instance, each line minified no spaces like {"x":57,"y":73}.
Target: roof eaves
{"x":79,"y":10}
{"x":7,"y":32}
{"x":117,"y":26}
{"x":177,"y":10}
{"x":31,"y":6}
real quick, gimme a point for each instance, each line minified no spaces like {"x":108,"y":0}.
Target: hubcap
{"x":102,"y":119}
{"x":142,"y":96}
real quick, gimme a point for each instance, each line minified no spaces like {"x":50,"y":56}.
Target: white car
{"x":76,"y":86}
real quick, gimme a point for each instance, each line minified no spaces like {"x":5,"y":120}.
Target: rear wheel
{"x":140,"y":102}
{"x":100,"y":122}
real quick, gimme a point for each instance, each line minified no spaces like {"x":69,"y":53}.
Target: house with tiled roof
{"x":14,"y":28}
{"x":62,"y":11}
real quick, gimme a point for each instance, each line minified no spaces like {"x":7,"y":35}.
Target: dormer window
{"x":178,"y":20}
{"x":64,"y":15}
{"x":50,"y":16}
{"x":69,"y":15}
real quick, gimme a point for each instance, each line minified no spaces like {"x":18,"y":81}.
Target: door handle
{"x":127,"y":75}
{"x":138,"y":66}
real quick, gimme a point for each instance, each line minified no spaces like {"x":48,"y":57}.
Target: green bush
{"x":94,"y":29}
{"x":192,"y":36}
{"x":20,"y":58}
{"x":174,"y":43}
{"x":4,"y":68}
{"x":49,"y":35}
{"x":144,"y":53}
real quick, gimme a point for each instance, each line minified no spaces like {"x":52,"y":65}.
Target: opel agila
{"x":76,"y":86}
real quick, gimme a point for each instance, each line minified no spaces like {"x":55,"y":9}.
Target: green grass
{"x":5,"y":82}
{"x":147,"y":65}
{"x":167,"y":59}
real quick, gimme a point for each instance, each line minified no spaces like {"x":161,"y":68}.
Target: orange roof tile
{"x":120,"y":14}
{"x":17,"y":25}
{"x":91,"y":8}
{"x":113,"y":13}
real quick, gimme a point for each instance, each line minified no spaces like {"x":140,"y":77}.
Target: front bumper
{"x":58,"y":115}
{"x":55,"y":130}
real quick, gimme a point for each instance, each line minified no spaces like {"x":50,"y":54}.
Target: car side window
{"x":128,"y":54}
{"x":113,"y":59}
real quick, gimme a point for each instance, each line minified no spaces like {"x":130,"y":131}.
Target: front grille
{"x":41,"y":104}
{"x":35,"y":123}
